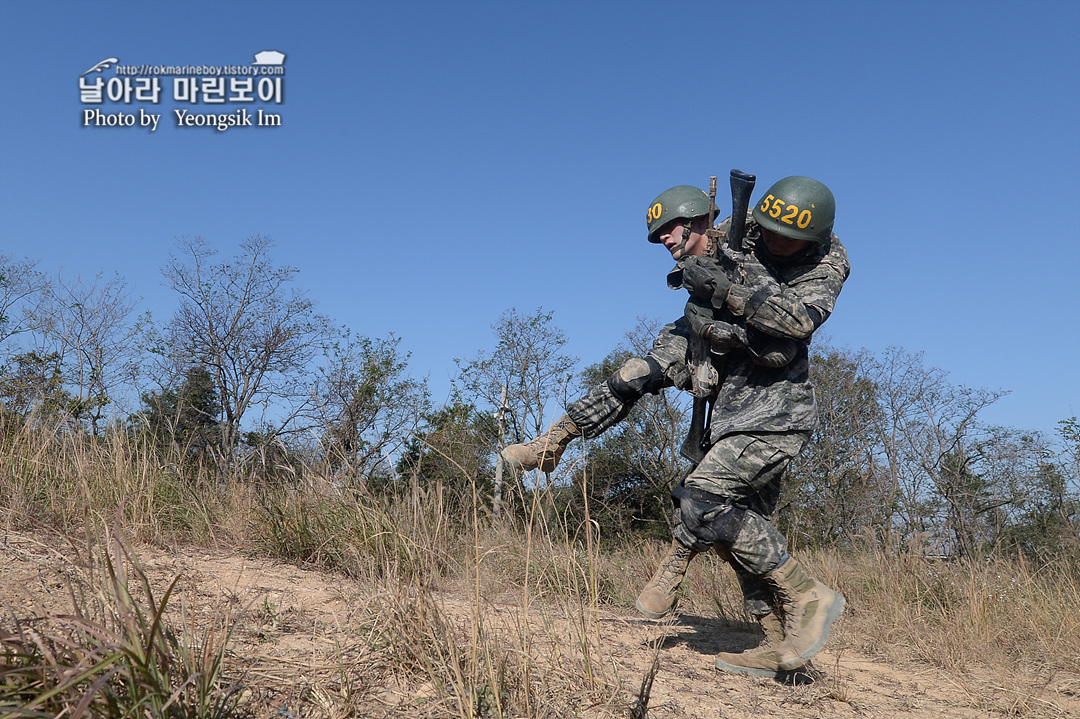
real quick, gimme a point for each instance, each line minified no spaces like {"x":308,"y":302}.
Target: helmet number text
{"x":654,"y":213}
{"x":788,"y":214}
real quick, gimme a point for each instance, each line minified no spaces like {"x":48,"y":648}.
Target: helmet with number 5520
{"x":797,"y":207}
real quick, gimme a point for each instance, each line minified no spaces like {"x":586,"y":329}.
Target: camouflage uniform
{"x":761,"y":417}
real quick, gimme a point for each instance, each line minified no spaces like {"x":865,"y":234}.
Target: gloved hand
{"x":770,"y":351}
{"x":700,"y":316}
{"x":722,"y":336}
{"x":777,"y":353}
{"x":706,"y":280}
{"x":674,"y":278}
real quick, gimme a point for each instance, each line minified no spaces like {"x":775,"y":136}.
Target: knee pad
{"x":712,"y":524}
{"x":703,"y":521}
{"x":635,"y":378}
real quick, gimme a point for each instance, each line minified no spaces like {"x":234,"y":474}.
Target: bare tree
{"x":834,"y":488}
{"x":1069,"y":430}
{"x":240,"y":319}
{"x":927,"y":430}
{"x":87,"y":325}
{"x":33,"y":385}
{"x":365,"y":405}
{"x":20,"y":286}
{"x":528,"y":359}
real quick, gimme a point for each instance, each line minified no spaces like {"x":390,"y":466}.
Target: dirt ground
{"x":295,"y":631}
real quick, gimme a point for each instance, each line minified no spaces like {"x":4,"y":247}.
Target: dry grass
{"x":995,"y":611}
{"x":54,"y":476}
{"x":402,"y":653}
{"x":115,"y":653}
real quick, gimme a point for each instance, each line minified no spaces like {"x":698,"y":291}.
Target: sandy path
{"x":301,"y":626}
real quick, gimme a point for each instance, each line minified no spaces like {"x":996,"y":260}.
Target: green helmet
{"x":683,"y":202}
{"x":798,"y":207}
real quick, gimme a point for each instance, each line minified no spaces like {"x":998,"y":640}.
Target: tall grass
{"x":54,"y":475}
{"x":957,"y":615}
{"x":316,"y":521}
{"x":115,"y":651}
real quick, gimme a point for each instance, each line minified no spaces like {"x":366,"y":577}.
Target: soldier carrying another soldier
{"x":754,"y":305}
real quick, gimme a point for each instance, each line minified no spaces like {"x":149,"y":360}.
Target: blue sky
{"x":441,"y":162}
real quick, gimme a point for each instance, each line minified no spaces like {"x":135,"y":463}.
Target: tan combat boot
{"x":657,"y":599}
{"x":544,"y":451}
{"x":761,"y":661}
{"x":809,"y":608}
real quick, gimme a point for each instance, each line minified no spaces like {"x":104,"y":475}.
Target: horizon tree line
{"x":246,"y":369}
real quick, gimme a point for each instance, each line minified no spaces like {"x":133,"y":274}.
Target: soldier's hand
{"x":699,"y":315}
{"x":706,"y":280}
{"x":724,"y":336}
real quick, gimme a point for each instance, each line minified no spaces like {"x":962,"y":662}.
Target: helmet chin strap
{"x":681,"y":248}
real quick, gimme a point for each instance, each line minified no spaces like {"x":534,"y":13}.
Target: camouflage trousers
{"x":726,"y":503}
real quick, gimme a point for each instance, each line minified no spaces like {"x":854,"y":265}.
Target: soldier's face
{"x":671,"y":235}
{"x":780,"y":246}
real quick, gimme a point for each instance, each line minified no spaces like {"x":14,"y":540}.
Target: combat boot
{"x":657,"y":599}
{"x":761,"y":661}
{"x":809,"y":609}
{"x":773,"y":626}
{"x":544,"y":451}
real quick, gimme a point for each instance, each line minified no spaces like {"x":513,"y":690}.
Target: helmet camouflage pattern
{"x":798,"y":207}
{"x":683,"y":202}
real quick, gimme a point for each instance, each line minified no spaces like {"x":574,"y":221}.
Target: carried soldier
{"x":759,"y":289}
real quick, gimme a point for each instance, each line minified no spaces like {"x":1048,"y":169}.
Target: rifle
{"x":693,"y":448}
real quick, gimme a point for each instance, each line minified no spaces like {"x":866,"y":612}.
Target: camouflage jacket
{"x":786,"y":299}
